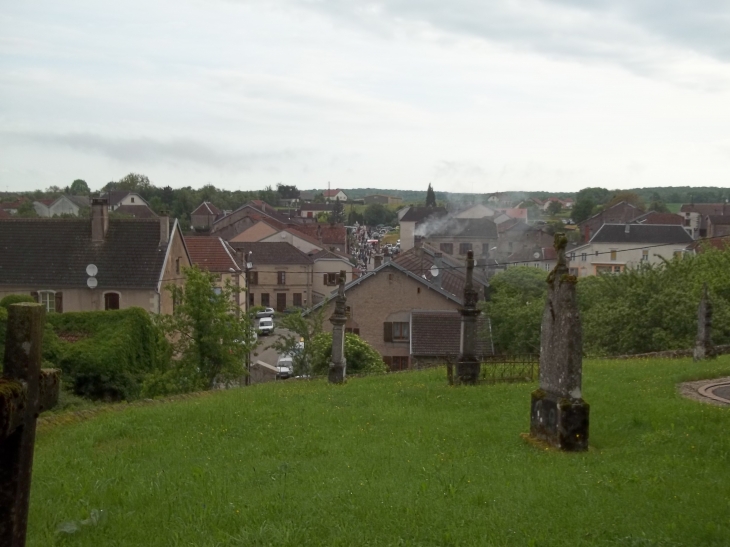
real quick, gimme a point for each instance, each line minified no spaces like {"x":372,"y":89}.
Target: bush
{"x":15,"y":299}
{"x":118,"y":349}
{"x":361,"y":357}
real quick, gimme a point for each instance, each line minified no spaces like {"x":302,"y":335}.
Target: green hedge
{"x":117,"y":349}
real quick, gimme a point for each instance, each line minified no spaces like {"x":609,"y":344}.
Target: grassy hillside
{"x":401,"y":459}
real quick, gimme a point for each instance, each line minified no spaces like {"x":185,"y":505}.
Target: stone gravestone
{"x":338,"y":364}
{"x":559,"y":415}
{"x":468,"y":366}
{"x":703,"y":343}
{"x":25,"y":392}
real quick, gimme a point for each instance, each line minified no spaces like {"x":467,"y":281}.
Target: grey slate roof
{"x":642,"y":233}
{"x":53,"y":253}
{"x":272,"y":252}
{"x":419,"y":214}
{"x":438,"y":334}
{"x":466,"y":227}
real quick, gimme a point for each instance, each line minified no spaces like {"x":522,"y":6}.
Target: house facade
{"x":616,"y":247}
{"x":337,"y":194}
{"x":214,"y":255}
{"x":413,"y":217}
{"x":695,"y":216}
{"x":458,"y":236}
{"x":281,"y":277}
{"x":619,"y":213}
{"x":326,"y":270}
{"x":63,"y":205}
{"x":133,"y":261}
{"x":204,"y":215}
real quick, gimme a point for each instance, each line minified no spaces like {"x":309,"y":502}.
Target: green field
{"x":399,"y":459}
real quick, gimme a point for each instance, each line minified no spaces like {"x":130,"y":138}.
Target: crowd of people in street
{"x":366,"y":243}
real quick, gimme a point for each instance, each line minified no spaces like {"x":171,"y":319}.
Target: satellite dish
{"x":537,"y":254}
{"x":91,"y":270}
{"x":92,"y":282}
{"x":434,"y":271}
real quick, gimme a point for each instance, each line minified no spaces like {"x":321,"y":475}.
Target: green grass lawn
{"x":400,"y":459}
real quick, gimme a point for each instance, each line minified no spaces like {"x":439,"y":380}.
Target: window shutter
{"x":35,"y":295}
{"x":388,"y":331}
{"x":59,"y":302}
{"x":325,"y":279}
{"x":388,"y":361}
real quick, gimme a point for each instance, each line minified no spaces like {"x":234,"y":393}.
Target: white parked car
{"x":284,"y":367}
{"x":266,"y":325}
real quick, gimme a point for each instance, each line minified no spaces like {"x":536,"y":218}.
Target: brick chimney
{"x":99,"y":219}
{"x":418,"y":242}
{"x":164,"y":229}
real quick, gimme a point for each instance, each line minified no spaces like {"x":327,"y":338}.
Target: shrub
{"x":116,"y":351}
{"x":361,"y":357}
{"x":15,"y":299}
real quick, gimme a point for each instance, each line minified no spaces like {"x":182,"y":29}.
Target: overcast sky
{"x":471,"y":95}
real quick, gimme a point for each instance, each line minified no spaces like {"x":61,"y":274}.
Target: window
{"x":251,"y":301}
{"x":48,"y":300}
{"x":297,"y":299}
{"x":111,"y":301}
{"x":281,"y":278}
{"x":398,"y":363}
{"x":330,"y":279}
{"x":348,"y":311}
{"x":572,"y":256}
{"x":613,"y":254}
{"x":617,"y":269}
{"x":265,"y":299}
{"x":177,"y":265}
{"x":353,"y":330}
{"x":447,"y":248}
{"x":645,"y":255}
{"x":280,"y":301}
{"x":400,"y":332}
{"x":583,"y":257}
{"x":132,"y":200}
{"x":253,"y":278}
{"x":687,"y":221}
{"x":217,"y":290}
{"x":547,"y":267}
{"x":464,"y":248}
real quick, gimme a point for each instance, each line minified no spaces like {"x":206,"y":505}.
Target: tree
{"x":79,"y":188}
{"x":582,"y":210}
{"x":133,"y":182}
{"x":554,"y":208}
{"x":337,"y":215}
{"x":269,"y":195}
{"x":299,"y":344}
{"x":430,"y":197}
{"x":26,"y":210}
{"x":375,"y":214}
{"x":287,"y":192}
{"x":210,"y":336}
{"x":629,"y":197}
{"x":318,"y":198}
{"x":597,"y":195}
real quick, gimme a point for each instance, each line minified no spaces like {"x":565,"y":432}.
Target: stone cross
{"x":559,"y":415}
{"x":703,"y":343}
{"x":468,"y":366}
{"x":25,"y":392}
{"x":338,"y":364}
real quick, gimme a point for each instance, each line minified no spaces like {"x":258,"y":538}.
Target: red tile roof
{"x":211,"y":253}
{"x":652,"y":217}
{"x":330,"y":235}
{"x":4,"y":214}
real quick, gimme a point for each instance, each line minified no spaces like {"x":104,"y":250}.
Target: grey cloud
{"x":146,"y":150}
{"x":633,"y":33}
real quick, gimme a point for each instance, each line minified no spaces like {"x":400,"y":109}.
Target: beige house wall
{"x":177,"y":261}
{"x":93,"y":299}
{"x":628,"y":255}
{"x":407,"y":235}
{"x":389,"y":295}
{"x":322,"y":267}
{"x":298,"y":281}
{"x":287,"y":237}
{"x":480,"y":246}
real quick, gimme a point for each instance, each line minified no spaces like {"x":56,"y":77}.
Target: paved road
{"x":264,"y":352}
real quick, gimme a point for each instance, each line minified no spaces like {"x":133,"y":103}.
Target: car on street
{"x":284,"y":367}
{"x":266,"y":325}
{"x":267,"y":312}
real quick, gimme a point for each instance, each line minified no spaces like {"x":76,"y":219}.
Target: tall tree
{"x":287,"y":191}
{"x":210,"y":335}
{"x":80,"y":188}
{"x":337,"y":215}
{"x":133,"y":182}
{"x":554,"y":208}
{"x":430,"y":197}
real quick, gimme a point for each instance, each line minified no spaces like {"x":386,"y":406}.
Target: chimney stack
{"x":99,"y":219}
{"x":418,"y":242}
{"x":164,"y":229}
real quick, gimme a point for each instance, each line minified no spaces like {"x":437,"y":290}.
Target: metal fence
{"x":510,"y":368}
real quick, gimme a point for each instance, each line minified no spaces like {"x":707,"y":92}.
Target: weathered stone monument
{"x":559,"y":415}
{"x":25,"y":392}
{"x":468,"y":366}
{"x":338,"y":364}
{"x":703,"y":343}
